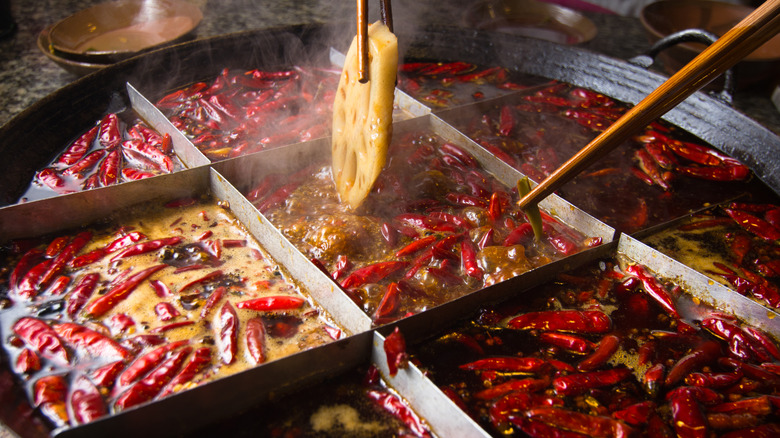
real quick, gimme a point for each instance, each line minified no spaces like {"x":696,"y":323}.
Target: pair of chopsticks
{"x":362,"y":33}
{"x":749,"y":34}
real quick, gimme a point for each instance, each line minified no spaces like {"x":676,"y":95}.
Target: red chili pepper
{"x":654,"y":288}
{"x":255,"y":340}
{"x":108,"y":173}
{"x":395,"y":351}
{"x":415,"y":245}
{"x":372,"y":273}
{"x":88,"y":258}
{"x":65,"y":256}
{"x":199,"y":360}
{"x":388,"y":305}
{"x":56,"y":245}
{"x":145,"y":247}
{"x":30,"y":259}
{"x":559,"y":242}
{"x":754,"y":224}
{"x":86,"y":401}
{"x":571,"y":343}
{"x":342,"y":266}
{"x":165,"y":311}
{"x":592,"y":321}
{"x":213,"y":299}
{"x":276,"y":198}
{"x":86,"y":163}
{"x":227,"y":329}
{"x":271,"y":303}
{"x":109,"y":134}
{"x":507,"y":121}
{"x":763,"y":340}
{"x":707,"y":352}
{"x":81,"y":293}
{"x":520,"y":234}
{"x":58,"y":286}
{"x":636,"y":414}
{"x":214,"y":275}
{"x":606,"y":348}
{"x":507,"y":364}
{"x":27,"y":362}
{"x":49,"y":389}
{"x":574,"y":384}
{"x":419,"y":262}
{"x":462,"y":199}
{"x":713,"y":380}
{"x":78,"y":148}
{"x":751,"y":371}
{"x":687,"y":417}
{"x":142,"y":132}
{"x":389,"y":233}
{"x":106,"y":375}
{"x":120,"y":291}
{"x":512,"y":385}
{"x":28,"y":286}
{"x":171,"y":326}
{"x":459,"y":154}
{"x":124,"y":241}
{"x":132,"y":174}
{"x":161,"y":161}
{"x":395,"y":407}
{"x":147,"y":362}
{"x":151,"y":385}
{"x":589,"y":425}
{"x":40,"y":336}
{"x":468,"y":256}
{"x":449,"y":218}
{"x":761,"y":405}
{"x":93,"y":343}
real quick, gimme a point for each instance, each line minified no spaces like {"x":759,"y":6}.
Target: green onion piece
{"x":532,"y":210}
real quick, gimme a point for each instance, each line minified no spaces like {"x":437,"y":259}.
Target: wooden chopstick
{"x":750,"y":33}
{"x":387,"y":13}
{"x":362,"y":33}
{"x":362,"y":40}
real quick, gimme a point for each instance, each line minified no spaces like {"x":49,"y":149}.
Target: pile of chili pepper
{"x":447,"y":84}
{"x":736,"y":243}
{"x":242,"y":112}
{"x":110,"y":152}
{"x":156,"y":301}
{"x":659,"y":175}
{"x":435,"y":227}
{"x":605,"y":352}
{"x":355,"y":404}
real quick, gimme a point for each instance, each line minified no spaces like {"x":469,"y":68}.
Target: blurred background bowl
{"x":110,"y":32}
{"x":532,"y":19}
{"x":760,"y":69}
{"x":78,"y":68}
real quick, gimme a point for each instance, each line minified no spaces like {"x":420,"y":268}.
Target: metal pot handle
{"x":688,"y":36}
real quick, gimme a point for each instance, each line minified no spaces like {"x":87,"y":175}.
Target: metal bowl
{"x":666,"y":17}
{"x":78,"y":68}
{"x":113,"y":31}
{"x":531,"y":18}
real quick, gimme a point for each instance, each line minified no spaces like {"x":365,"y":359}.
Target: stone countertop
{"x":27,"y":75}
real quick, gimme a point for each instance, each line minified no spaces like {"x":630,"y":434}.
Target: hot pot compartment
{"x":72,"y":211}
{"x":437,"y":211}
{"x":536,"y":137}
